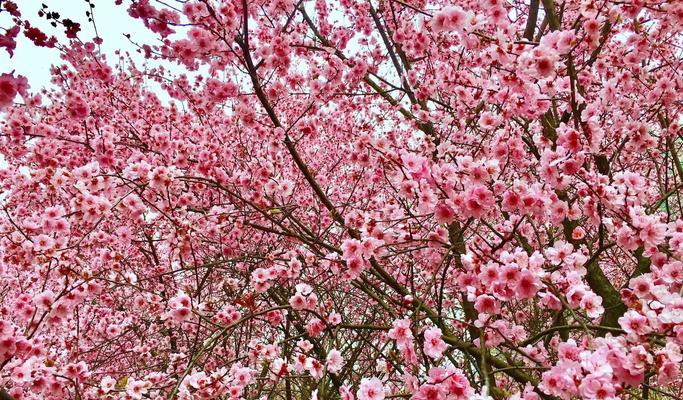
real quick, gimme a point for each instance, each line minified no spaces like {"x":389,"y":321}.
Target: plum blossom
{"x":10,"y":86}
{"x":434,"y":346}
{"x":334,"y":361}
{"x":180,"y":307}
{"x":370,"y":389}
{"x":108,"y":384}
{"x":633,"y":322}
{"x":449,"y":18}
{"x":136,"y":388}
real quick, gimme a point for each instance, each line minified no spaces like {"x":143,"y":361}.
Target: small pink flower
{"x":486,"y":304}
{"x":450,"y":18}
{"x":642,"y":286}
{"x":578,"y":233}
{"x":334,"y":318}
{"x":434,"y":346}
{"x":597,"y":387}
{"x":568,"y":351}
{"x":181,"y":307}
{"x":345,"y":392}
{"x":335,"y":362}
{"x":42,"y":243}
{"x":136,"y":389}
{"x":298,"y":302}
{"x":527,"y":286}
{"x":565,"y":41}
{"x":10,"y":86}
{"x":44,"y":300}
{"x":108,"y":383}
{"x":444,"y":214}
{"x":370,"y":389}
{"x":401,"y":332}
{"x":488,"y":120}
{"x":351,"y":248}
{"x":633,"y":322}
{"x":592,"y":304}
{"x":668,"y":373}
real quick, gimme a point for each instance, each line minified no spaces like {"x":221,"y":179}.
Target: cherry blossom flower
{"x":108,"y":384}
{"x":449,"y":18}
{"x":370,"y":389}
{"x":334,"y":361}
{"x":434,"y":346}
{"x":136,"y":388}
{"x":10,"y":86}
{"x":633,"y":322}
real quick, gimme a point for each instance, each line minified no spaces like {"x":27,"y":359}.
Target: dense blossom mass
{"x":355,"y":199}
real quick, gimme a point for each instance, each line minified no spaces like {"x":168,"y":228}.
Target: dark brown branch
{"x":553,"y":21}
{"x":531,"y":21}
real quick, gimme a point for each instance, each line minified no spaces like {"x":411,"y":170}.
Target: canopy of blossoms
{"x":355,"y":199}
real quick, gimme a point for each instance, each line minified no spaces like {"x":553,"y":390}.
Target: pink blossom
{"x":44,"y":300}
{"x":444,"y":214}
{"x":334,"y":318}
{"x":43,"y":243}
{"x":668,"y":373}
{"x":136,"y":389}
{"x":434,"y":346}
{"x":108,"y":384}
{"x":449,"y":18}
{"x":486,"y":304}
{"x":370,"y":389}
{"x":345,"y":393}
{"x":334,"y":361}
{"x":528,"y":285}
{"x":401,"y":332}
{"x":633,"y":322}
{"x":592,"y":304}
{"x":10,"y":86}
{"x":597,"y":387}
{"x":298,"y":302}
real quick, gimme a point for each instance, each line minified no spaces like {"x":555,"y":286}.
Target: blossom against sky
{"x":111,"y":24}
